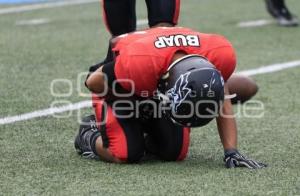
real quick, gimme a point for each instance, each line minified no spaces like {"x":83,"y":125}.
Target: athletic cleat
{"x":83,"y":140}
{"x":281,"y":13}
{"x":288,"y":22}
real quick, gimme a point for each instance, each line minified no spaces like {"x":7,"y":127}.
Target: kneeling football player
{"x":162,"y":82}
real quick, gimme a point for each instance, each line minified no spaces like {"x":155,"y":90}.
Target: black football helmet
{"x":193,"y":90}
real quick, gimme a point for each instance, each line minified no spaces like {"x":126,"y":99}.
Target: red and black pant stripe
{"x":125,"y":137}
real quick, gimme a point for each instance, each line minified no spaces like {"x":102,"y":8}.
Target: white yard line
{"x":32,"y":22}
{"x":254,"y":23}
{"x":270,"y":68}
{"x":45,"y":112}
{"x":25,"y":8}
{"x":87,"y":104}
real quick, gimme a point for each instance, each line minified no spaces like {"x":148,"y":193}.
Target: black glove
{"x":234,"y":159}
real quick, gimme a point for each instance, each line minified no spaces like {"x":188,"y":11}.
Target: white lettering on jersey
{"x":177,"y":40}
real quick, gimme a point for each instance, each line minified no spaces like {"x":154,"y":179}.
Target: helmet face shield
{"x":195,"y":90}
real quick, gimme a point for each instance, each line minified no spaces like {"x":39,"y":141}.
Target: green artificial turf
{"x":37,"y":156}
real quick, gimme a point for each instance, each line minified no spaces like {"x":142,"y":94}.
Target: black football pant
{"x":120,"y":15}
{"x":123,"y":134}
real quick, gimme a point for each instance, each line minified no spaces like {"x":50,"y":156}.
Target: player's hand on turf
{"x":235,"y":159}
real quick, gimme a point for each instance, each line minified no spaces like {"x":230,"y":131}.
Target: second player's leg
{"x":279,"y":11}
{"x":163,"y":11}
{"x":119,"y":16}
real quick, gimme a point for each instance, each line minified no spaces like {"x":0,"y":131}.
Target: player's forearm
{"x":227,"y":125}
{"x":96,"y":81}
